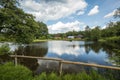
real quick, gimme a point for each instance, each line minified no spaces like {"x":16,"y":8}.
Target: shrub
{"x":81,"y":76}
{"x":4,"y":49}
{"x":42,"y":76}
{"x":9,"y":71}
{"x":53,"y":76}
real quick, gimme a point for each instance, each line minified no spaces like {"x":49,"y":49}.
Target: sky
{"x":62,"y":16}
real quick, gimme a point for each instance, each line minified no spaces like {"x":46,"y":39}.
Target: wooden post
{"x":15,"y":60}
{"x":60,"y":68}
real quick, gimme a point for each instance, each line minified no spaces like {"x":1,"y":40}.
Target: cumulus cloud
{"x":80,"y":13}
{"x":94,"y":10}
{"x":104,"y":27}
{"x":110,"y":14}
{"x":45,"y":10}
{"x":61,"y":49}
{"x":61,"y":27}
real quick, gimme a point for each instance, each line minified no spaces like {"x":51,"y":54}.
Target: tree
{"x":16,"y":24}
{"x":117,"y":13}
{"x":41,"y":30}
{"x":87,"y":33}
{"x":95,"y":33}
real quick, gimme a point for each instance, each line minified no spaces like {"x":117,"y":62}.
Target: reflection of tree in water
{"x":5,"y":58}
{"x":35,"y":49}
{"x":73,"y":46}
{"x":39,"y":49}
{"x":113,"y":50}
{"x":96,"y":47}
{"x":87,"y":48}
{"x":32,"y":64}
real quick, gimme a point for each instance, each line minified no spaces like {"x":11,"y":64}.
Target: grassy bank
{"x":42,"y":40}
{"x":113,"y":42}
{"x":115,"y":39}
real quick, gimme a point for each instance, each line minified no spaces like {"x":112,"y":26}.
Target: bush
{"x":81,"y":76}
{"x":42,"y":76}
{"x":9,"y":71}
{"x":4,"y":49}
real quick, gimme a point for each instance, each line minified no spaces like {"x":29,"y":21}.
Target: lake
{"x":78,"y":51}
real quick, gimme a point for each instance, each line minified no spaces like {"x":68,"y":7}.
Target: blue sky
{"x":67,"y":15}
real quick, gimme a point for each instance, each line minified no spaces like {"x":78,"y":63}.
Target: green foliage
{"x":2,"y":38}
{"x":18,"y":25}
{"x":42,"y":76}
{"x":95,"y":34}
{"x":81,"y":76}
{"x":4,"y":49}
{"x":117,"y":13}
{"x":11,"y":72}
{"x":95,"y":76}
{"x":53,"y":76}
{"x":8,"y":3}
{"x":68,"y":77}
{"x":113,"y":39}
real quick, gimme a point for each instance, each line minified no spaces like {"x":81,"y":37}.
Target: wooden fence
{"x":65,"y":62}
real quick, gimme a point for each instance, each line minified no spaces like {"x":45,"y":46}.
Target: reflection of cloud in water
{"x":66,"y":48}
{"x":12,"y":46}
{"x":51,"y":66}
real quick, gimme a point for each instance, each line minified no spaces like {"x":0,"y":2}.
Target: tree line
{"x":21,"y":27}
{"x":112,"y":31}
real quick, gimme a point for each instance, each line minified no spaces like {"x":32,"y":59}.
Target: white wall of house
{"x":71,"y":37}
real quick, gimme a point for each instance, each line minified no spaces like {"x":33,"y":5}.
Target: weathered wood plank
{"x":91,"y":65}
{"x":68,"y":62}
{"x":43,"y":58}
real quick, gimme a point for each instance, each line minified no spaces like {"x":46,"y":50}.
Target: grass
{"x":9,"y":71}
{"x":81,"y":76}
{"x":115,"y":39}
{"x":41,"y":40}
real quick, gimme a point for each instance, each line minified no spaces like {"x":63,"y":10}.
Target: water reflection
{"x":35,"y":49}
{"x":53,"y":66}
{"x":79,"y":51}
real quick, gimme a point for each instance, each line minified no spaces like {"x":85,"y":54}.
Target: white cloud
{"x":110,"y":14}
{"x":94,"y":11}
{"x":104,"y":27}
{"x":61,"y":48}
{"x":80,"y":13}
{"x":45,"y":10}
{"x":61,"y":27}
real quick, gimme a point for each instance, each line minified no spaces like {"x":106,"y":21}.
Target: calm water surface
{"x":78,"y":51}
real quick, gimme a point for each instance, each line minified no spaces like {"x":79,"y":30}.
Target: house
{"x":79,"y":36}
{"x":71,"y":37}
{"x":57,"y":36}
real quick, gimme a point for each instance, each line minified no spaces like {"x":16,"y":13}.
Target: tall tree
{"x":15,"y":23}
{"x":95,"y":33}
{"x":41,"y":30}
{"x":117,"y":13}
{"x":87,"y":33}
